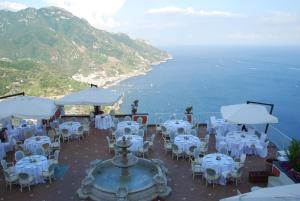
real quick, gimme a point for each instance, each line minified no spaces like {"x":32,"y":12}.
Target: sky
{"x":187,"y":22}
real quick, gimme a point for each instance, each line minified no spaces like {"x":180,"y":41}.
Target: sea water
{"x":209,"y":77}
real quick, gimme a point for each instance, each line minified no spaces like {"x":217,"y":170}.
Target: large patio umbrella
{"x":90,"y":96}
{"x":247,"y":114}
{"x":280,"y":193}
{"x":27,"y":107}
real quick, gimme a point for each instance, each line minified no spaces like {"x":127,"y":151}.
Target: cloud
{"x":281,"y":18}
{"x":190,"y":11}
{"x":99,"y":13}
{"x":12,"y":6}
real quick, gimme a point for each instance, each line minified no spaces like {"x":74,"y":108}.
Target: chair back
{"x":211,"y":172}
{"x":127,"y":130}
{"x":192,"y":148}
{"x":243,"y":158}
{"x":141,"y":133}
{"x":6,"y":176}
{"x":127,"y":118}
{"x":46,"y":146}
{"x":152,"y":137}
{"x":180,"y":130}
{"x":223,"y":150}
{"x":19,"y":155}
{"x":40,"y":151}
{"x":80,"y":129}
{"x":56,"y":154}
{"x":139,"y":120}
{"x":65,"y":131}
{"x":51,"y":134}
{"x":175,"y":147}
{"x":23,"y":176}
{"x":28,"y":134}
{"x":163,"y":128}
{"x":4,"y":164}
{"x":146,"y":145}
{"x":73,"y":119}
{"x":51,"y":168}
{"x":108,"y":139}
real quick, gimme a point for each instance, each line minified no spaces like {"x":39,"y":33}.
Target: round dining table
{"x":136,"y":140}
{"x":33,"y":165}
{"x":173,"y":125}
{"x":184,"y":142}
{"x":239,"y":141}
{"x":103,"y":121}
{"x":71,"y":126}
{"x":33,"y":143}
{"x":134,"y":126}
{"x":220,"y":163}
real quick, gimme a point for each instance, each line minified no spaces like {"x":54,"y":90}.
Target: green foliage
{"x":47,"y":46}
{"x":294,"y":155}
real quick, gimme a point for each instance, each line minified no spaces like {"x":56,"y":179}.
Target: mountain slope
{"x":59,"y":45}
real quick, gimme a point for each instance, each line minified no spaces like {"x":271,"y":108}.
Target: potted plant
{"x":134,"y":106}
{"x":189,"y":114}
{"x":293,"y":154}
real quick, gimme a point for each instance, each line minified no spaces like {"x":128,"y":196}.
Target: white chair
{"x":197,"y":169}
{"x":144,"y":150}
{"x":7,"y":167}
{"x":19,"y":155}
{"x":211,"y":176}
{"x":176,"y":151}
{"x":158,"y":126}
{"x":49,"y":174}
{"x":127,"y":131}
{"x":79,"y":133}
{"x":180,"y":131}
{"x":65,"y":135}
{"x":262,"y":149}
{"x":10,"y":179}
{"x":151,"y":141}
{"x":164,"y":132}
{"x":127,"y":118}
{"x":25,"y":180}
{"x":167,"y":146}
{"x":53,"y":159}
{"x":236,"y":175}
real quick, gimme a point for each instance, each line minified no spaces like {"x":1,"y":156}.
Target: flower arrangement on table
{"x":189,"y":110}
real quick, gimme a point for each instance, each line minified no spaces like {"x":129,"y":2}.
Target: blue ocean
{"x":209,"y":77}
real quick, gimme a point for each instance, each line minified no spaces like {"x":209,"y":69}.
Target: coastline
{"x":104,"y":81}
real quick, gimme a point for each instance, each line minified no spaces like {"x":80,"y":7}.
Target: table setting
{"x":71,"y":126}
{"x":103,"y":121}
{"x":134,"y":126}
{"x":136,"y":140}
{"x":220,"y":163}
{"x":33,"y":143}
{"x":184,"y":142}
{"x":33,"y":165}
{"x":173,"y":125}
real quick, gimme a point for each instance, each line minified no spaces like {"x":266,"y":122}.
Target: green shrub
{"x":294,"y":155}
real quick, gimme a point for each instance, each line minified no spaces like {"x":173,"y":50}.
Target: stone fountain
{"x":125,"y":178}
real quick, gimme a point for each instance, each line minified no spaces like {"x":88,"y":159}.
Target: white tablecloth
{"x":2,"y":151}
{"x":19,"y":132}
{"x":32,"y":168}
{"x":238,"y":142}
{"x":184,"y":142}
{"x":173,"y":125}
{"x":226,"y":164}
{"x":134,"y":126}
{"x":137,"y":142}
{"x":71,"y":126}
{"x":103,"y":121}
{"x":35,"y":142}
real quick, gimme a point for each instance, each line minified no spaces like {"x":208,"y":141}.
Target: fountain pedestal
{"x":125,"y":178}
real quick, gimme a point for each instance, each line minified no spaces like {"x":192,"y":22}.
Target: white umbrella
{"x":280,"y":193}
{"x":27,"y":107}
{"x":247,"y":114}
{"x":90,"y":96}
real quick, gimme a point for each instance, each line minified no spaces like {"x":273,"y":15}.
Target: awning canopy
{"x":90,"y":96}
{"x":247,"y":114}
{"x":279,"y":193}
{"x":27,"y":107}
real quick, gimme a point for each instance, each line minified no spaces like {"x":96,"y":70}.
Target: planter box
{"x":258,"y":176}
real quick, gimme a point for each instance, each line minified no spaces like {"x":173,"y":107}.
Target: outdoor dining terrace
{"x":75,"y":157}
